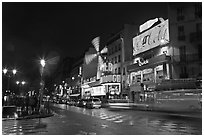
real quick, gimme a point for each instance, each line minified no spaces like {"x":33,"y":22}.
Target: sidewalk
{"x":128,"y":105}
{"x":148,"y":107}
{"x":29,"y":117}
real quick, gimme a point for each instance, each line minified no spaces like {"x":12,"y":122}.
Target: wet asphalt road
{"x":70,"y":120}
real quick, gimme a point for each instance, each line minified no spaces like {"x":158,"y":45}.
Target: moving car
{"x":93,"y":103}
{"x":82,"y":102}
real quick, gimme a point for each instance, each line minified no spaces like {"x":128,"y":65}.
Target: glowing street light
{"x":42,"y":62}
{"x":5,"y":71}
{"x":17,"y":82}
{"x":14,"y":71}
{"x":23,"y":82}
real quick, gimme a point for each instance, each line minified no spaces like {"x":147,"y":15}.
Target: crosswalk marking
{"x":24,"y":127}
{"x":115,"y":118}
{"x":118,"y":121}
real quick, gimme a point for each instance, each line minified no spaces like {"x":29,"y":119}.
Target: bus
{"x":182,"y":95}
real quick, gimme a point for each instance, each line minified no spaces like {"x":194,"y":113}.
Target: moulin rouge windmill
{"x":98,"y":54}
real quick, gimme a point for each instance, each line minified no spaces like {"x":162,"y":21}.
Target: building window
{"x":115,"y":59}
{"x":183,"y":73}
{"x":182,"y":51}
{"x":198,"y":10}
{"x":181,"y":34}
{"x":180,"y":15}
{"x":116,"y":48}
{"x":119,"y":46}
{"x":119,"y":71}
{"x":115,"y":70}
{"x":124,"y":71}
{"x":118,"y":58}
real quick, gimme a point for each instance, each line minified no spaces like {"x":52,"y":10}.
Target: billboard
{"x":156,"y":36}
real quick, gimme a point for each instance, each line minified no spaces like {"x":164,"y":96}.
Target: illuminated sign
{"x":93,"y":79}
{"x":148,"y":24}
{"x":106,"y":67}
{"x":98,"y":91}
{"x":114,"y":89}
{"x":140,"y":61}
{"x":154,"y":37}
{"x":110,"y":78}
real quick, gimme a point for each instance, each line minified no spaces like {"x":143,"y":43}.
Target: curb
{"x":28,"y":117}
{"x":33,"y":117}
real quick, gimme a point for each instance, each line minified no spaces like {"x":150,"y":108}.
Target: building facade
{"x":186,"y":39}
{"x":151,"y":58}
{"x":120,"y":55}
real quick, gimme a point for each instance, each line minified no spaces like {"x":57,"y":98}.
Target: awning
{"x":151,"y":62}
{"x":74,"y":95}
{"x":94,"y":84}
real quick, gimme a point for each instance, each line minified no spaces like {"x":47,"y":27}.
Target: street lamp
{"x":8,"y":73}
{"x":17,"y":82}
{"x":23,"y":82}
{"x":20,"y":86}
{"x":5,"y":71}
{"x":42,"y":63}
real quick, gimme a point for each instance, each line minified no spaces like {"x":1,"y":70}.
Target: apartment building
{"x":185,"y":21}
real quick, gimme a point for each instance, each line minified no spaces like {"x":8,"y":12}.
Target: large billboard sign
{"x":156,"y":36}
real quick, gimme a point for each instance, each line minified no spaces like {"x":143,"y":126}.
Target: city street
{"x":71,"y":120}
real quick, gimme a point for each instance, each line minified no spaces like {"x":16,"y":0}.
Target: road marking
{"x":114,"y":118}
{"x":118,"y":121}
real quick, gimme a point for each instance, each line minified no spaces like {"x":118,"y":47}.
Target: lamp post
{"x":9,"y":73}
{"x":20,"y":83}
{"x":42,"y":63}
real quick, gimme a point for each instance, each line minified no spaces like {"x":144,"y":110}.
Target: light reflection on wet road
{"x":105,"y":121}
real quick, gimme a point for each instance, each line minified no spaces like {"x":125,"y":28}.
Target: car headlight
{"x":15,"y":115}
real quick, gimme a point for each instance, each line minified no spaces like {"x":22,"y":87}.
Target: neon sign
{"x":106,"y":67}
{"x":110,"y":78}
{"x":141,"y":62}
{"x":154,"y":37}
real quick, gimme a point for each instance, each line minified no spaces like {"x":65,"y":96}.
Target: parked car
{"x":82,"y":102}
{"x":71,"y":102}
{"x":93,"y":103}
{"x":9,"y":112}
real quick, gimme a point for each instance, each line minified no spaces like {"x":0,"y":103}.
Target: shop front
{"x":151,"y":61}
{"x":111,"y":85}
{"x":93,"y":89}
{"x":144,"y":77}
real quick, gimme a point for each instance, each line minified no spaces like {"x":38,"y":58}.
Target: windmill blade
{"x":100,"y":60}
{"x":95,"y":42}
{"x":104,"y":50}
{"x":89,"y":58}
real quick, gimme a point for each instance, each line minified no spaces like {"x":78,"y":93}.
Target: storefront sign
{"x":114,"y":89}
{"x":93,"y":79}
{"x":154,"y":37}
{"x":106,"y":67}
{"x":110,"y":78}
{"x":148,"y":24}
{"x":141,"y":61}
{"x":152,"y":61}
{"x":98,"y":91}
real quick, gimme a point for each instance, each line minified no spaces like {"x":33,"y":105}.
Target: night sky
{"x":33,"y":30}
